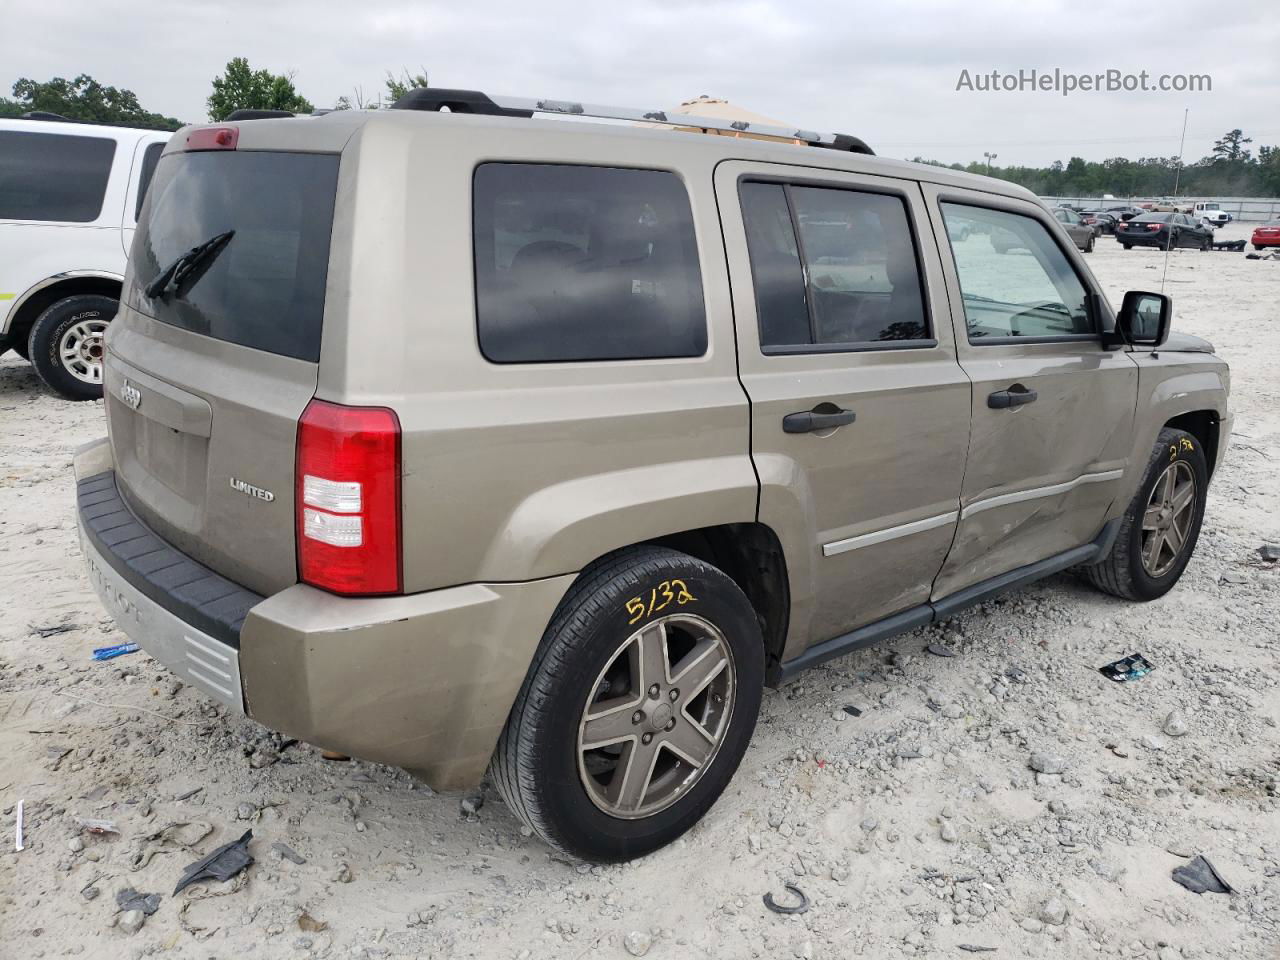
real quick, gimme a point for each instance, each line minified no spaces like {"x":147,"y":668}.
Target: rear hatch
{"x":206,"y":378}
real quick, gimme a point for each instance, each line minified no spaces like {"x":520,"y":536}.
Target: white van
{"x":69,"y":199}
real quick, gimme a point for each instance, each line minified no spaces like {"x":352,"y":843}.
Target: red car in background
{"x":1267,"y":235}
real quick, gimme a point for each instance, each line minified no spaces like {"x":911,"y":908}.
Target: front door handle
{"x":813,"y":421}
{"x":1015,"y":396}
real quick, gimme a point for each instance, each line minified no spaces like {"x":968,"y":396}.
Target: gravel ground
{"x":916,"y":827}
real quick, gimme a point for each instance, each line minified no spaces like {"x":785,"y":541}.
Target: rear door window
{"x":265,"y":287}
{"x":53,"y":177}
{"x":580,"y":263}
{"x":832,"y":268}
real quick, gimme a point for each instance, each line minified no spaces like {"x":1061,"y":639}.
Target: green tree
{"x":243,"y":88}
{"x":83,"y":99}
{"x":397,"y":87}
{"x":1231,"y":146}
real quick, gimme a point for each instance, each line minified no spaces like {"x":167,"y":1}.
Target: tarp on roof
{"x":715,"y":108}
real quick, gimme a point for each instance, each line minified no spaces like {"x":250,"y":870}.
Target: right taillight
{"x":348,"y":499}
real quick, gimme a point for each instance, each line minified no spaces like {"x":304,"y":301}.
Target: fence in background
{"x":1244,"y":209}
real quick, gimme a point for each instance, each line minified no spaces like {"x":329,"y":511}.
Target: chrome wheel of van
{"x":656,"y":716}
{"x":1168,"y":519}
{"x":80,"y":349}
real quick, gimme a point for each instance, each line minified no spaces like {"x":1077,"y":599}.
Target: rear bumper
{"x":423,"y":682}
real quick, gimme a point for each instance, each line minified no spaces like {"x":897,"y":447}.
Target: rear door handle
{"x":1015,"y":396}
{"x":810,"y":421}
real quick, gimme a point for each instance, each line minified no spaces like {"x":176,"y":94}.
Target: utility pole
{"x":990,"y":157}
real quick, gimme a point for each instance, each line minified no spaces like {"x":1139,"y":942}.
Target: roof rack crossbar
{"x":473,"y":101}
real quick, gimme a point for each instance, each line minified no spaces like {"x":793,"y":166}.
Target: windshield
{"x":265,"y":288}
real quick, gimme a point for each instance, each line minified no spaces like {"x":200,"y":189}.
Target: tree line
{"x":1231,"y":169}
{"x":239,"y":86}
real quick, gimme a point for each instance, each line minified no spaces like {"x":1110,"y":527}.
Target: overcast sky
{"x":885,"y":72}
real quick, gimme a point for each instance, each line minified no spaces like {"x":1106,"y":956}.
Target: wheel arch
{"x":39,"y":297}
{"x":1204,"y":425}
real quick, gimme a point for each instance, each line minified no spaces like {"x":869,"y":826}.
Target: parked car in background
{"x":69,"y":198}
{"x":1081,"y":233}
{"x":1101,"y":221}
{"x":1168,"y":205}
{"x":386,"y":470}
{"x":1126,"y":212}
{"x":1266,"y":235}
{"x":959,"y":228}
{"x":1211,"y":213}
{"x":1166,"y":231}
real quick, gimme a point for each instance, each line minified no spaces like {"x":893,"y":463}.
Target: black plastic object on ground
{"x":1130,"y":668}
{"x":1200,"y":876}
{"x":800,"y":907}
{"x":223,"y":864}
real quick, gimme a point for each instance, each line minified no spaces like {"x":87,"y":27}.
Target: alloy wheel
{"x":1168,"y":519}
{"x":656,"y":716}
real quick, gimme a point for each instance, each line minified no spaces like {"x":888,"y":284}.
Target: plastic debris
{"x":17,"y":842}
{"x":1131,"y":667}
{"x":223,"y":864}
{"x":130,"y":899}
{"x":852,"y":711}
{"x":119,"y":650}
{"x":974,"y":948}
{"x":1269,"y":552}
{"x":1200,"y":876}
{"x":801,"y":907}
{"x":938,"y":650}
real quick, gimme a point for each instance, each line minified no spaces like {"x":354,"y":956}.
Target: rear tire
{"x":1127,"y":246}
{"x":590,"y":667}
{"x":1088,"y":247}
{"x":1133,"y":570}
{"x":66,"y":345}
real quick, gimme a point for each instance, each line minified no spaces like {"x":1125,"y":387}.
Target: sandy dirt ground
{"x":916,"y":828}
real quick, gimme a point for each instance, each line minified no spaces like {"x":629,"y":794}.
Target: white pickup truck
{"x":1210,"y":212}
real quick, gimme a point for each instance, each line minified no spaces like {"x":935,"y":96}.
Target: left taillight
{"x":348,"y":499}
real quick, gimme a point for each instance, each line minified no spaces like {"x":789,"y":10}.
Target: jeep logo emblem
{"x":250,"y":490}
{"x":130,"y":394}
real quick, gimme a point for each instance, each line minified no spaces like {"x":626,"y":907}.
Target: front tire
{"x":66,"y":345}
{"x":1088,"y":247}
{"x":1127,"y":246}
{"x":637,"y":709}
{"x":1158,"y":531}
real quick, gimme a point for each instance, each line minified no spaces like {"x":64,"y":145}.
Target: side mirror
{"x":1145,"y":318}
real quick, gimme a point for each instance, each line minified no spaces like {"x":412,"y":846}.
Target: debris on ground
{"x":131,"y":921}
{"x":52,"y":629}
{"x":776,"y":907}
{"x":289,"y":853}
{"x":938,"y":650}
{"x":130,"y":899}
{"x":637,"y":943}
{"x":118,"y":650}
{"x":17,"y":834}
{"x":223,"y":864}
{"x":99,"y":827}
{"x":1269,"y":552}
{"x":1130,"y":668}
{"x":1201,"y":876}
{"x":309,"y":924}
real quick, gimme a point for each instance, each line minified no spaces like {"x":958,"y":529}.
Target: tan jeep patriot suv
{"x":475,"y":440}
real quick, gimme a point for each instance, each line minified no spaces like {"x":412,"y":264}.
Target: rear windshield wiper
{"x":188,"y":268}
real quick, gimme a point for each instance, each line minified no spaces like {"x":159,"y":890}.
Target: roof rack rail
{"x":46,"y":115}
{"x":250,"y":113}
{"x":473,"y":101}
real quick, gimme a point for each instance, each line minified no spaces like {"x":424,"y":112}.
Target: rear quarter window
{"x":53,"y":177}
{"x":580,"y":263}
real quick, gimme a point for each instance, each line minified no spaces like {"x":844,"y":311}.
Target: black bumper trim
{"x":190,"y":591}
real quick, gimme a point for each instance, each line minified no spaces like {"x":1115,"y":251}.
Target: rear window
{"x":53,"y":177}
{"x":578,"y":263}
{"x":265,"y":287}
